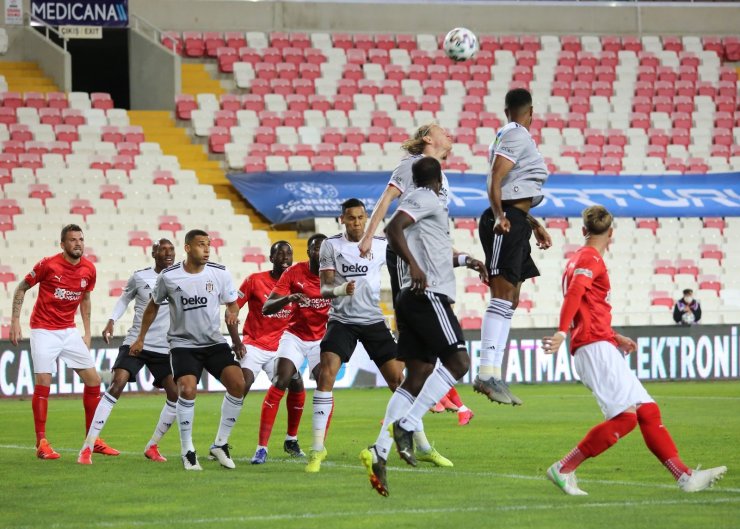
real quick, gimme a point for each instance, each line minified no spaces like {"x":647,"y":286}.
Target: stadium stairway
{"x":26,"y":77}
{"x":160,"y":127}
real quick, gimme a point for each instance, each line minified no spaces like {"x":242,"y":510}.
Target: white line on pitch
{"x":345,"y":466}
{"x":393,"y":512}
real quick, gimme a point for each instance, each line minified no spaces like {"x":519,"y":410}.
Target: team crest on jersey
{"x":209,"y":286}
{"x":83,"y":283}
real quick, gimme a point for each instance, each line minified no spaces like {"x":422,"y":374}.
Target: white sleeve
{"x":229,"y":293}
{"x":127,"y":296}
{"x":160,"y":294}
{"x":512,"y":144}
{"x":402,"y":177}
{"x":326,"y":256}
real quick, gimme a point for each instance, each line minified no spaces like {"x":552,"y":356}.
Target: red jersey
{"x":591,"y":320}
{"x":260,"y":330}
{"x":61,"y":287}
{"x":309,"y":320}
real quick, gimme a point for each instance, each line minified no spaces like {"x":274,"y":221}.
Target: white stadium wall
{"x":398,"y":17}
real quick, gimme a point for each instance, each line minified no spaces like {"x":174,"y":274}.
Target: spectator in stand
{"x":687,"y":310}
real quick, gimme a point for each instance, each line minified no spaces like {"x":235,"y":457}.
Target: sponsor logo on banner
{"x":310,"y":194}
{"x":700,"y":352}
{"x":106,"y":13}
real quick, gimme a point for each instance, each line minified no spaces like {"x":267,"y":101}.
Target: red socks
{"x":658,"y":440}
{"x":90,"y":400}
{"x":294,"y":402}
{"x":270,"y":407}
{"x":599,"y":439}
{"x":40,"y":405}
{"x":454,"y":397}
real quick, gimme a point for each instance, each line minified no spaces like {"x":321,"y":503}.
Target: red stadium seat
{"x":710,"y":282}
{"x":164,"y":178}
{"x":169,"y":223}
{"x":40,"y":191}
{"x":101,"y":100}
{"x":184,"y":106}
{"x":254,"y":164}
{"x":81,"y":206}
{"x":6,"y":275}
{"x":140,"y":239}
{"x":322,"y":163}
{"x":9,"y":207}
{"x":470,"y":320}
{"x":253,"y":254}
{"x":6,"y":225}
{"x":116,"y":286}
{"x":647,"y":224}
{"x":111,"y":192}
{"x":715,"y":222}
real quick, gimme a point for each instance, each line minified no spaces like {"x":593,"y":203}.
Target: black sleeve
{"x":697,"y":312}
{"x":676,"y":314}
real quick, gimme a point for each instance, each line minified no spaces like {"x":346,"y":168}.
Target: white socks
{"x":435,"y":387}
{"x":401,"y":400}
{"x":185,"y":415}
{"x":231,"y":408}
{"x":494,"y":337}
{"x":102,"y":412}
{"x":166,"y":418}
{"x":322,"y":404}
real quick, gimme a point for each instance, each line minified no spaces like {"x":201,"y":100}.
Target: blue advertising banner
{"x":295,"y":195}
{"x":105,"y":13}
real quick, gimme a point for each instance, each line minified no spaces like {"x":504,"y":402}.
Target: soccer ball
{"x":460,"y":44}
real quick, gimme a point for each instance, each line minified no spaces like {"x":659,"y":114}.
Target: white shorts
{"x":297,"y":350}
{"x":604,"y":370}
{"x":47,"y":346}
{"x":257,"y":360}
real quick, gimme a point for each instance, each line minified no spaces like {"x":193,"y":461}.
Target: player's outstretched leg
{"x":167,"y":417}
{"x":464,"y":414}
{"x":375,"y":466}
{"x":659,"y":441}
{"x":270,"y":407}
{"x":599,"y":439}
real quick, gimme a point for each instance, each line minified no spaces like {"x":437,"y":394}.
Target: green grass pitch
{"x":498,"y":479}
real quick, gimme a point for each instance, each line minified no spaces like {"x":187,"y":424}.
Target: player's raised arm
{"x":390,"y":194}
{"x":15,"y":320}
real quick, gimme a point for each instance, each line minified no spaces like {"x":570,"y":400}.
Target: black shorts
{"x":427,"y":327}
{"x":157,"y":363}
{"x":508,"y":255}
{"x":192,"y":360}
{"x":395,"y":270}
{"x":376,"y":338}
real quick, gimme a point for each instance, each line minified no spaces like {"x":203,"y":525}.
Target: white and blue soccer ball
{"x":461,"y":44}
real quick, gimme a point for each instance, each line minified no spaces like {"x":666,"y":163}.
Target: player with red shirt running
{"x":599,"y":361}
{"x":300,"y":285}
{"x":261,"y":336}
{"x":65,"y":281}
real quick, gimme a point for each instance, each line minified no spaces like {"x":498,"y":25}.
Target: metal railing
{"x":29,"y":20}
{"x":149,"y":29}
